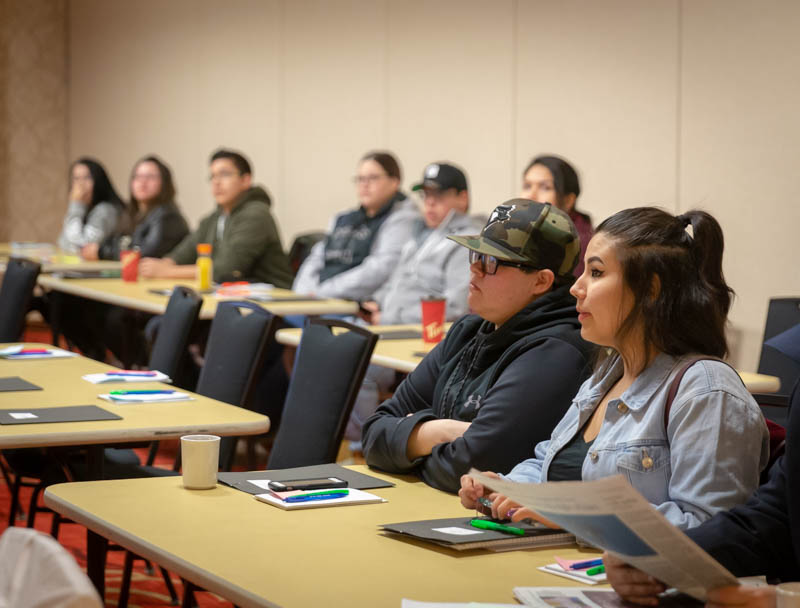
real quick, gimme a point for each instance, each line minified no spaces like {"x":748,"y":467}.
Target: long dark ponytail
{"x":673,"y":267}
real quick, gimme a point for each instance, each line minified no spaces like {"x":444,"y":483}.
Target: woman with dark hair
{"x":551,"y":179}
{"x":94,"y":208}
{"x":653,"y":294}
{"x":362,"y":245}
{"x":157,"y":223}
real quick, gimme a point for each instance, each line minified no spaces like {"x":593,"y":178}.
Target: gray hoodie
{"x":429,"y":265}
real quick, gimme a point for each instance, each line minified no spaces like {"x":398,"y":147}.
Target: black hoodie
{"x":512,"y":384}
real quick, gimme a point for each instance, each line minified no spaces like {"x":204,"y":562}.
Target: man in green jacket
{"x":242,"y":232}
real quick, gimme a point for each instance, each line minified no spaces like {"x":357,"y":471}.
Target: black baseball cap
{"x":442,"y":176}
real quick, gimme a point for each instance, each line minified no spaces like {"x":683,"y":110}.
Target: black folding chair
{"x":15,"y":296}
{"x":328,"y":371}
{"x":237,"y":341}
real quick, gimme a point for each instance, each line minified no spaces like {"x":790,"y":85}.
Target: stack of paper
{"x":126,"y":376}
{"x":353,"y":497}
{"x":143,"y":397}
{"x":562,"y":568}
{"x":20,"y":352}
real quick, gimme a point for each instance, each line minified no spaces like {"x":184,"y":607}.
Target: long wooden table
{"x":151,"y":296}
{"x":62,"y":385}
{"x":55,"y":260}
{"x":405,"y":355}
{"x":254,"y":554}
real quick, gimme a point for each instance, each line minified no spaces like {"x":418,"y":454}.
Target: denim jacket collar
{"x":639,"y":394}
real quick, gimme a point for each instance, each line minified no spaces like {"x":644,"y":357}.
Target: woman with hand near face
{"x":654,"y":295}
{"x":94,"y":207}
{"x":154,"y":222}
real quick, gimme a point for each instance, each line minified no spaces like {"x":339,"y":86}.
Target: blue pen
{"x":587,"y":564}
{"x":144,"y":392}
{"x":315,"y":497}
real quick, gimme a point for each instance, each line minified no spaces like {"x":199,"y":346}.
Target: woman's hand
{"x":630,"y":583}
{"x":742,"y":595}
{"x":90,"y":251}
{"x":505,"y":508}
{"x":471,"y":490}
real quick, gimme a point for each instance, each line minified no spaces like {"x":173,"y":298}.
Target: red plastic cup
{"x":433,"y":310}
{"x":130,"y":264}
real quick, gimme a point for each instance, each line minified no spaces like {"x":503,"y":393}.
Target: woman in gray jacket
{"x":94,"y":209}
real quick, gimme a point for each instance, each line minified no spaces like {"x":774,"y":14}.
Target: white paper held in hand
{"x":610,"y":514}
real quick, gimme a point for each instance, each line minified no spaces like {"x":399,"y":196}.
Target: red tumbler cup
{"x":433,"y":310}
{"x":130,"y":264}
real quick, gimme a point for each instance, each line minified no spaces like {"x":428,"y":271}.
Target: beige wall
{"x":33,"y":118}
{"x":673,"y":103}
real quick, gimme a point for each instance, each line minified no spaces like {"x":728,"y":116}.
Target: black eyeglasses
{"x":489,"y":263}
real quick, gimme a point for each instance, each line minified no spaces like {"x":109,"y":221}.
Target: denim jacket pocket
{"x":646,"y":465}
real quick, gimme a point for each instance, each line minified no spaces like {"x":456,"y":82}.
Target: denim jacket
{"x":708,"y":459}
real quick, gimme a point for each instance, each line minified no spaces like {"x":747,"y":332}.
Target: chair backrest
{"x":328,"y":371}
{"x":301,"y":247}
{"x":37,"y":572}
{"x":169,"y":352}
{"x":783,"y":313}
{"x":237,"y":340}
{"x":15,"y":296}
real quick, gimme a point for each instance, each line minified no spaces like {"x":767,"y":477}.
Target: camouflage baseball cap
{"x":531,"y":233}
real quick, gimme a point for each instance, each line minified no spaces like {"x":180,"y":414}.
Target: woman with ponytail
{"x":654,"y":296}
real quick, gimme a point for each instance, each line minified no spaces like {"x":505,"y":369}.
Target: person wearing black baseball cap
{"x":430,"y":265}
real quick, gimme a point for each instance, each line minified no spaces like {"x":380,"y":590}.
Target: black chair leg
{"x":188,"y":595}
{"x":151,"y":454}
{"x":14,"y":508}
{"x":34,"y":505}
{"x":125,"y":585}
{"x":170,"y":587}
{"x":55,"y":525}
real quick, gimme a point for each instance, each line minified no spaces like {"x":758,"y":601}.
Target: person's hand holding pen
{"x":505,"y":508}
{"x":471,"y":490}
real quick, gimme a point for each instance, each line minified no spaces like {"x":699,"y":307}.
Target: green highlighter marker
{"x":485,"y":524}
{"x":596,"y":570}
{"x":322,"y":493}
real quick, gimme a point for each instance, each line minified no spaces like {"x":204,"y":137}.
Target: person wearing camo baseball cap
{"x":520,"y":234}
{"x":502,"y":375}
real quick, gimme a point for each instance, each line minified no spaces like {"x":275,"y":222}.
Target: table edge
{"x":206,"y":580}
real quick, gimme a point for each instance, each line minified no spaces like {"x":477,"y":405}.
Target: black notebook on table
{"x":457,"y":533}
{"x":359,"y":481}
{"x":15,"y":383}
{"x":70,"y":413}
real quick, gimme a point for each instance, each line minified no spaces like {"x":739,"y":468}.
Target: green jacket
{"x":250,"y":248}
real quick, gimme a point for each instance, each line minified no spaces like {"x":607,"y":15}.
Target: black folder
{"x":15,"y":383}
{"x":69,"y":413}
{"x":435,"y":531}
{"x":356,"y":480}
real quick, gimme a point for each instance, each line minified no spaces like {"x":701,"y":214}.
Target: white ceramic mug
{"x":200,"y":461}
{"x":788,"y":595}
